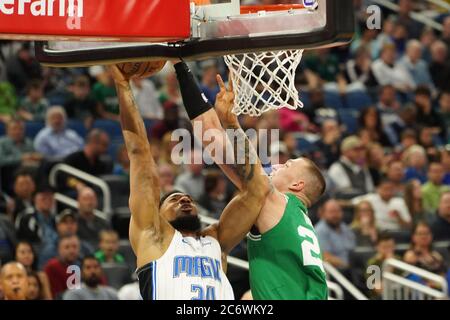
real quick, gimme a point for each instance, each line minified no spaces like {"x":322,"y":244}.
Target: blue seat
{"x":112,"y":128}
{"x":358,"y":100}
{"x":305,"y":146}
{"x":33,"y":127}
{"x":78,"y":127}
{"x":349,"y":118}
{"x":304,"y":97}
{"x":2,"y":129}
{"x":333,"y":100}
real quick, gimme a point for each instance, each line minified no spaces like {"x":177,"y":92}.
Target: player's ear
{"x":297,"y":186}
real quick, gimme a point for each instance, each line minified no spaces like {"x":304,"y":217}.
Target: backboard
{"x":205,"y":29}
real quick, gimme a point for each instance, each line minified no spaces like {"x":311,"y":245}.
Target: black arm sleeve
{"x":194,"y":100}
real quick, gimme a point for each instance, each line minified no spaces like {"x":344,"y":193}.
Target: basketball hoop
{"x":264,"y":81}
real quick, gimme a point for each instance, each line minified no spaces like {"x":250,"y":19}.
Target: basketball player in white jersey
{"x":175,"y":259}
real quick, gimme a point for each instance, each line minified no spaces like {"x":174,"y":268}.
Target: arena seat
{"x":358,"y":100}
{"x":358,"y":262}
{"x":78,"y":127}
{"x":333,"y":100}
{"x":127,"y":252}
{"x":120,"y":190}
{"x":2,"y":129}
{"x":349,"y":118}
{"x":112,"y":128}
{"x":32,"y":128}
{"x":116,"y":274}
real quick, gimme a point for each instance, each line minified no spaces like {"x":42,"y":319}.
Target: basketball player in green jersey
{"x":284,"y":253}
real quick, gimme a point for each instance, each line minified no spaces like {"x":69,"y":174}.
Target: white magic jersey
{"x":190,"y":269}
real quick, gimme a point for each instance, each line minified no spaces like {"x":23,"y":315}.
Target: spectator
{"x":16,"y":149}
{"x":56,"y":141}
{"x":130,"y":292}
{"x":385,"y":247}
{"x":26,"y":255}
{"x":80,"y":105}
{"x":108,"y":248}
{"x":66,"y":225}
{"x":370,"y":120}
{"x":8,"y":101}
{"x":322,"y":65}
{"x":413,"y":63}
{"x":171,"y":121}
{"x":214,"y":198}
{"x":389,"y":106}
{"x":336,"y":239}
{"x":350,"y":173}
{"x":395,"y":172}
{"x":91,"y":288}
{"x":13,"y":281}
{"x":36,"y":224}
{"x":192,"y":181}
{"x":289,"y":140}
{"x":24,"y":188}
{"x":8,"y":239}
{"x":391,"y":213}
{"x":445,"y":161}
{"x":357,"y":70}
{"x":147,"y":99}
{"x":441,"y":222}
{"x":89,"y":224}
{"x":414,"y":201}
{"x":376,"y":161}
{"x":92,"y":159}
{"x":430,"y":143}
{"x":415,"y":161}
{"x":56,"y":268}
{"x":446,"y":32}
{"x":330,"y":143}
{"x":387,"y":72}
{"x":433,"y":189}
{"x":426,"y":115}
{"x":363,"y":225}
{"x":22,"y":67}
{"x":166,"y":178}
{"x":35,"y":288}
{"x":122,"y":165}
{"x":444,"y":111}
{"x":406,"y":8}
{"x":209,"y":84}
{"x":34,"y":106}
{"x":440,"y":67}
{"x":421,"y":253}
{"x":104,"y":93}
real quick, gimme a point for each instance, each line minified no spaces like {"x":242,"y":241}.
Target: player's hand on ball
{"x":225,"y":103}
{"x":129,"y":70}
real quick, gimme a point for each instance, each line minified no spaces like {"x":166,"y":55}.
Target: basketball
{"x":141,"y":69}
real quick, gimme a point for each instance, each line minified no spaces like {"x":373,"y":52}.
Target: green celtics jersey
{"x":286,"y":262}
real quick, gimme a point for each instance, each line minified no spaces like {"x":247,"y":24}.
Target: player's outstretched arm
{"x":150,"y":234}
{"x":201,"y":112}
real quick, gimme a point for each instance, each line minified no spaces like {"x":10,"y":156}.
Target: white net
{"x":264,"y":81}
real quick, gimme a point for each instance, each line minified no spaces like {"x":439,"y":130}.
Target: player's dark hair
{"x":168,"y":194}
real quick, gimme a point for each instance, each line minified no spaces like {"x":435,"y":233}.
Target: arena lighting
{"x":43,"y":8}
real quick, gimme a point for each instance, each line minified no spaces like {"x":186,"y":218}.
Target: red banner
{"x":126,"y":20}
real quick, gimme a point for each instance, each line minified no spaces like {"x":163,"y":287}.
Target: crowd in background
{"x":376,"y":120}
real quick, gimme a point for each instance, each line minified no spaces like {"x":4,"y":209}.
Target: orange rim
{"x":272,"y":7}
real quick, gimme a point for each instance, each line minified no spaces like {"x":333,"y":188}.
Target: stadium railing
{"x":93,"y":180}
{"x":398,"y":287}
{"x":419,"y":17}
